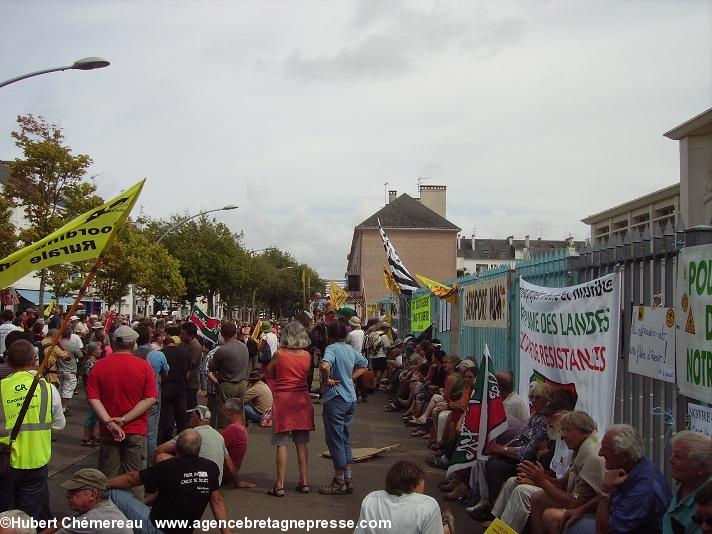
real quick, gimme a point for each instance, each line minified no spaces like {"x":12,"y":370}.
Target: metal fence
{"x":648,"y":265}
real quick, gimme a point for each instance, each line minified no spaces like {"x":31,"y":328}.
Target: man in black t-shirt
{"x":174,"y":391}
{"x":185,"y":484}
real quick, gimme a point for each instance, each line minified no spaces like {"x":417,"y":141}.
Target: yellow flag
{"x":389,"y":282}
{"x":499,"y":527}
{"x":337,"y":296}
{"x":258,"y":328}
{"x":439,"y":290}
{"x":49,"y":307}
{"x":81,"y":239}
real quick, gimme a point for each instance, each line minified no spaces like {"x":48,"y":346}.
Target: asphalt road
{"x":372,"y":428}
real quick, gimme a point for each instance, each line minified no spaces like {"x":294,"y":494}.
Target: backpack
{"x":373,"y":343}
{"x":265,"y":353}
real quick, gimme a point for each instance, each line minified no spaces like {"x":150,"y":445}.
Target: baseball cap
{"x":466,"y":364}
{"x":125,"y":334}
{"x":86,"y":479}
{"x":202,"y":412}
{"x":74,"y":318}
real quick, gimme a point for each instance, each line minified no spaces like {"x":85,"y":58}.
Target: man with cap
{"x":121,"y":389}
{"x":25,"y":485}
{"x":86,"y":493}
{"x":269,"y":336}
{"x":357,"y":338}
{"x":258,"y":398}
{"x":213,"y":444}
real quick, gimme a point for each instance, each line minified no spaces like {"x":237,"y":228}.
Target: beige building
{"x":689,"y":199}
{"x":423,"y":238}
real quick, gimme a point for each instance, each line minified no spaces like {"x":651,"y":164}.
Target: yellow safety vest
{"x":33,"y":446}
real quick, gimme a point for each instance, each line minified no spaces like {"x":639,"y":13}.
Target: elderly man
{"x":86,"y":493}
{"x":703,"y":509}
{"x":634,"y":494}
{"x":691,"y":462}
{"x":121,"y":389}
{"x":230,"y":364}
{"x":235,"y":436}
{"x":185,"y":484}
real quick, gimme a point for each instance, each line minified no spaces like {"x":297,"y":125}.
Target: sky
{"x":534,"y":114}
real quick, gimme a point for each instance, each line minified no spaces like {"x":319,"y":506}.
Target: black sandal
{"x":302,"y":488}
{"x":276,"y":492}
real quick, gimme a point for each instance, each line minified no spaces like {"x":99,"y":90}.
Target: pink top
{"x":292,"y":408}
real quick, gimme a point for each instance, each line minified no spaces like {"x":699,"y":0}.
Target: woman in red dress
{"x":292,"y":408}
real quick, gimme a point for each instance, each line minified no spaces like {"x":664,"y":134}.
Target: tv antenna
{"x":385,"y":191}
{"x":422,"y":179}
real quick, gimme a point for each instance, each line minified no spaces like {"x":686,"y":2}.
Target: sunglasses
{"x":699,"y":519}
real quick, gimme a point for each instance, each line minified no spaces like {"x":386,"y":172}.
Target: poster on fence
{"x":568,"y":337}
{"x":652,"y":343}
{"x":420,"y":313}
{"x":485,"y":304}
{"x":694,"y":322}
{"x":700,"y":419}
{"x":444,"y":316}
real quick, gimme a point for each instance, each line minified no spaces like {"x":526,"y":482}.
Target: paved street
{"x":372,"y":428}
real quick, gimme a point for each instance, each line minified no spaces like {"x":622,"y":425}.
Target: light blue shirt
{"x":343,"y":360}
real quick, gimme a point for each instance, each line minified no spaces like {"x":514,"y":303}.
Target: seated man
{"x":86,"y":493}
{"x":186,"y":484}
{"x":691,"y":462}
{"x":403,"y":503}
{"x":235,"y":435}
{"x":258,"y":397}
{"x":703,"y":509}
{"x":213,"y":445}
{"x":634,"y":494}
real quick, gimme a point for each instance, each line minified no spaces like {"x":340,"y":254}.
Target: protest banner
{"x":700,"y":419}
{"x":569,"y":338}
{"x":420,"y":313}
{"x":485,"y":304}
{"x":82,"y":238}
{"x":694,"y":322}
{"x":652,"y":343}
{"x":444,"y":316}
{"x":208,"y":327}
{"x":499,"y":527}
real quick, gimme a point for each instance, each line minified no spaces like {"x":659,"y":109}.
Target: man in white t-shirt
{"x":514,"y":405}
{"x":6,"y":327}
{"x":402,"y":503}
{"x":357,"y":336}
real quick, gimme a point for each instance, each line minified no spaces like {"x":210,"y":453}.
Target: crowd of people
{"x":550,"y":471}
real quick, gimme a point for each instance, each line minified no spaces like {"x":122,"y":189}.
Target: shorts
{"x":378,"y":364}
{"x":67,"y":384}
{"x":281,"y":439}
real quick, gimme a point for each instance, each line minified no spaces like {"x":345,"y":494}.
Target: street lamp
{"x":180,"y":223}
{"x":87,"y":63}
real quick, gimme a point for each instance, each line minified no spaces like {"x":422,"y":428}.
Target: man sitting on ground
{"x":634,"y":494}
{"x":235,"y":435}
{"x":86,"y":493}
{"x":213,"y":445}
{"x":258,"y":398}
{"x":186,"y":484}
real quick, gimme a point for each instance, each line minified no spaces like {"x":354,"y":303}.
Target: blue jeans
{"x":154,"y":413}
{"x":26,"y":490}
{"x":91,"y":419}
{"x":251,"y":413}
{"x":338,"y":416}
{"x":585,"y":525}
{"x":134,"y":510}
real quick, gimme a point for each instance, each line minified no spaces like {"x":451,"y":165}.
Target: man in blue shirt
{"x":339,"y":368}
{"x":634,"y":494}
{"x":691,"y":462}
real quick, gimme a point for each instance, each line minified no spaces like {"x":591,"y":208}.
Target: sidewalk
{"x":372,"y":428}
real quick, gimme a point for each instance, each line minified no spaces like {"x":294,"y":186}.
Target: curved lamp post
{"x":87,"y":63}
{"x":180,"y":223}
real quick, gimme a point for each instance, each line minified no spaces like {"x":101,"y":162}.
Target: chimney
{"x":434,"y":197}
{"x":570,"y":241}
{"x":526,"y":242}
{"x":458,"y":241}
{"x":510,"y":238}
{"x":392,"y":196}
{"x":473,"y":241}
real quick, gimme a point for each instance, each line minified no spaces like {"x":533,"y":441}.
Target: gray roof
{"x":408,"y":213}
{"x":500,"y":249}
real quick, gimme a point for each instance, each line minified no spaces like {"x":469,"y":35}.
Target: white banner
{"x":694,"y":322}
{"x":444,"y":316}
{"x":652,"y":343}
{"x":568,"y":337}
{"x":485,"y":304}
{"x":700,"y":419}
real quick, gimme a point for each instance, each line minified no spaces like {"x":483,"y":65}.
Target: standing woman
{"x":339,"y":368}
{"x":292,"y":410}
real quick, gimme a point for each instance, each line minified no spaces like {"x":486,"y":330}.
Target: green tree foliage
{"x":8,"y":232}
{"x":49,"y":184}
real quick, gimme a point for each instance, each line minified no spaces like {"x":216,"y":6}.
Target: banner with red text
{"x":569,"y":337}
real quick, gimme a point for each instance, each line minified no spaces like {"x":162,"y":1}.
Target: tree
{"x":8,"y":232}
{"x":48,"y":184}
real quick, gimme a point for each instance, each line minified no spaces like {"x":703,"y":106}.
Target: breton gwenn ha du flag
{"x":485,"y":418}
{"x":81,"y":239}
{"x":400,"y":274}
